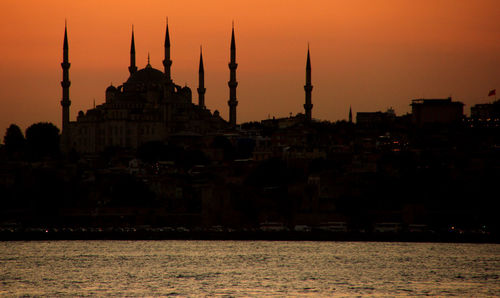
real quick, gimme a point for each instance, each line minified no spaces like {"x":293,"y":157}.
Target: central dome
{"x":147,"y":75}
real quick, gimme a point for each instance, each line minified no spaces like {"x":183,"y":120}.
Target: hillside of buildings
{"x":399,"y":173}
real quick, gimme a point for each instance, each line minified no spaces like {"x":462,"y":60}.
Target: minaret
{"x":132,"y":68}
{"x":350,"y":114}
{"x":65,"y":83}
{"x":308,"y":88}
{"x":201,"y":83}
{"x":232,"y":83}
{"x":167,"y":63}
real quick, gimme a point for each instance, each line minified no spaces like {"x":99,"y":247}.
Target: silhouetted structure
{"x":201,"y":83}
{"x":65,"y":102}
{"x":444,"y":111}
{"x":132,"y":68}
{"x":308,"y":89}
{"x":372,"y":119}
{"x":232,"y":82}
{"x":486,"y":114}
{"x":167,"y":62}
{"x":193,"y":170}
{"x":149,"y":106}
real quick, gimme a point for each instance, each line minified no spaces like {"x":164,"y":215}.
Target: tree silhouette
{"x":14,"y":141}
{"x":42,"y":140}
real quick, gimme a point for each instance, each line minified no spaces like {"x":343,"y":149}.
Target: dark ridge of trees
{"x":42,"y":140}
{"x":14,"y":141}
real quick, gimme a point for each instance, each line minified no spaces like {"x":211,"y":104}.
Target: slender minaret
{"x":350,"y":114}
{"x":308,"y":88}
{"x":167,"y":63}
{"x":65,"y":83}
{"x":232,"y":83}
{"x":132,"y":68}
{"x":201,"y":83}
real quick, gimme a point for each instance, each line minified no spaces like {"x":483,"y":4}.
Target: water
{"x":243,"y":268}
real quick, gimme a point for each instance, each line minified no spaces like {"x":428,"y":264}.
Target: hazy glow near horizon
{"x":370,"y":55}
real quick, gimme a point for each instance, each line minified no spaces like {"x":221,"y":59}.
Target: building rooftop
{"x":434,"y":101}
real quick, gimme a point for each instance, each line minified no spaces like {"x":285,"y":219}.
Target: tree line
{"x":41,"y":140}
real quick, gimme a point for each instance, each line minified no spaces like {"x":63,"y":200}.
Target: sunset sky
{"x":371,"y":54}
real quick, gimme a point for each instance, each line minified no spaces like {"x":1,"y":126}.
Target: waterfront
{"x":241,"y":268}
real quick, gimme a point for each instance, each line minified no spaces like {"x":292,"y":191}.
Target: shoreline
{"x":252,"y":236}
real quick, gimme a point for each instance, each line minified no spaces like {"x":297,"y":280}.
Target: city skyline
{"x":347,"y":68}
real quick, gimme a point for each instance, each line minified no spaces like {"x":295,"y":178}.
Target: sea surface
{"x":247,"y":268}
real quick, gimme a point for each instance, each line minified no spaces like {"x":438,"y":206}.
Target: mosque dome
{"x":147,"y":75}
{"x":110,"y":92}
{"x":111,"y":88}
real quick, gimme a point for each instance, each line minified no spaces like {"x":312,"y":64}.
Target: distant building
{"x":444,"y":111}
{"x":149,"y":106}
{"x":487,"y":114}
{"x":372,"y":119}
{"x":284,"y":122}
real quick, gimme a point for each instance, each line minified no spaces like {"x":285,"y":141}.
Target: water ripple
{"x":247,"y":268}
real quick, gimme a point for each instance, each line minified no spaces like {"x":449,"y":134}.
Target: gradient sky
{"x":371,"y":54}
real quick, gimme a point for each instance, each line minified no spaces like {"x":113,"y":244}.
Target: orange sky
{"x":371,"y":54}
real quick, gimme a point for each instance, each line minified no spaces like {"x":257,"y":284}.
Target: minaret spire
{"x":308,"y":88}
{"x":350,"y":114}
{"x":132,"y":68}
{"x":201,"y":83}
{"x":65,"y":43}
{"x":232,"y":82}
{"x":65,"y":83}
{"x":233,"y":45}
{"x":167,"y":63}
